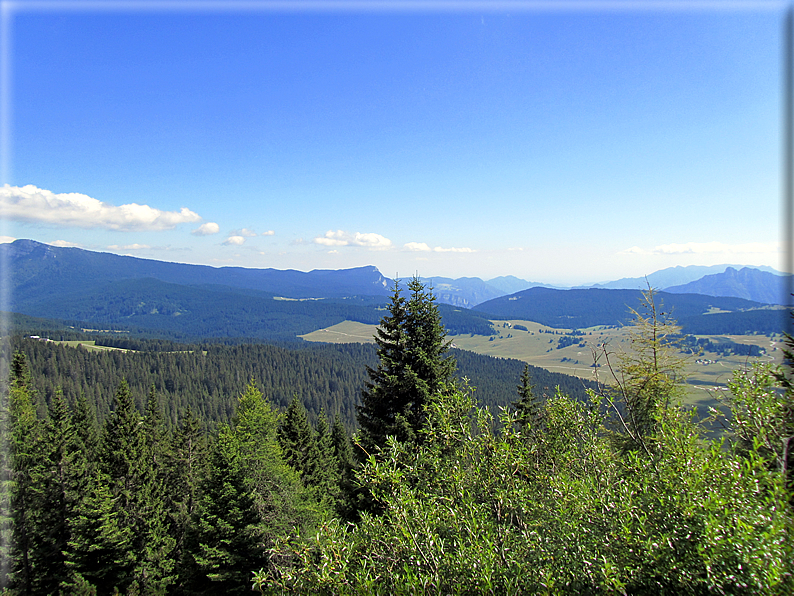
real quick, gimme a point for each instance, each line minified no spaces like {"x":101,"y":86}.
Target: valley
{"x":572,"y":352}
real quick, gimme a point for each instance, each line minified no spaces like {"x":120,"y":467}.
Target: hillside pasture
{"x":536,"y":344}
{"x":89,"y":345}
{"x":345,"y":332}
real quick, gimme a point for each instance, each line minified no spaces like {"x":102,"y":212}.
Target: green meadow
{"x":708,"y":372}
{"x":89,"y":345}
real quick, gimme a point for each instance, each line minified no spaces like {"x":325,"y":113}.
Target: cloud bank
{"x":129,"y":247}
{"x":65,"y":244}
{"x":704,"y":248}
{"x":37,"y":205}
{"x":423,"y":247}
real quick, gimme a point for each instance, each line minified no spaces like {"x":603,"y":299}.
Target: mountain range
{"x":753,"y":284}
{"x":761,"y":284}
{"x":181,"y":301}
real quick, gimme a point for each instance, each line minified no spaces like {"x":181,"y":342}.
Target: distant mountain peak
{"x":748,"y":282}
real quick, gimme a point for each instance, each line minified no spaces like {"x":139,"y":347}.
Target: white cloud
{"x":129,"y":247}
{"x":371,"y":240}
{"x":64,"y":244}
{"x":37,"y":205}
{"x":6,"y":239}
{"x":247,"y":233}
{"x":269,"y":233}
{"x":331,"y":238}
{"x":206,"y":229}
{"x":234,"y":241}
{"x":341,"y":238}
{"x":704,"y":248}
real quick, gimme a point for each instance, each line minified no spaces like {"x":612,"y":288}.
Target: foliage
{"x":619,"y":493}
{"x":648,"y":379}
{"x":467,"y":510}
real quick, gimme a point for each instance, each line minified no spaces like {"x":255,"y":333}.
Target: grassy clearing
{"x":89,"y":345}
{"x":346,"y":332}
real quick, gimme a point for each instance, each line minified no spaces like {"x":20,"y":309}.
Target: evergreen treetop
{"x":412,"y":366}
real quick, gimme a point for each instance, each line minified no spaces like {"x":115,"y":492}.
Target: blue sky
{"x":567,"y":146}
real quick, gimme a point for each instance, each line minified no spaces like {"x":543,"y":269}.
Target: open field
{"x":91,"y":345}
{"x":88,"y":345}
{"x":345,"y":332}
{"x":708,"y":373}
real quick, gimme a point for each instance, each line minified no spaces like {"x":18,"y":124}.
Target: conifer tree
{"x":529,"y":407}
{"x":343,"y":450}
{"x":327,"y":478}
{"x":250,"y":497}
{"x":412,"y":366}
{"x":85,"y":427}
{"x":55,"y":482}
{"x":98,"y":552}
{"x":132,"y":458}
{"x":24,"y":445}
{"x":154,"y":564}
{"x":298,"y":443}
{"x":187,"y":465}
{"x":343,"y":454}
{"x":6,"y":523}
{"x":649,"y":378}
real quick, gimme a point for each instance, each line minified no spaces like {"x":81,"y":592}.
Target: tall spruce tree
{"x":412,"y":366}
{"x":85,"y":427}
{"x":327,"y":479}
{"x":154,"y":562}
{"x":123,"y":461}
{"x":528,"y":406}
{"x":250,"y":497}
{"x":298,"y":443}
{"x":343,"y":453}
{"x":98,"y":551}
{"x":133,"y":457}
{"x":25,"y":445}
{"x":54,"y":490}
{"x":187,"y":466}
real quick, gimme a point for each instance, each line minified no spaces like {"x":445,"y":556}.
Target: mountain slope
{"x":579,"y":308}
{"x":35,"y":268}
{"x":510,"y":284}
{"x":749,"y":283}
{"x":465,"y":292}
{"x":664,"y":278}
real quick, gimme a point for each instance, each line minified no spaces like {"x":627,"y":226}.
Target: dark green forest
{"x":216,"y":471}
{"x":209,"y":378}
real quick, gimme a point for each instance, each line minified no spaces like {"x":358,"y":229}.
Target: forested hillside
{"x":154,"y":308}
{"x":580,"y":308}
{"x":209,"y":378}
